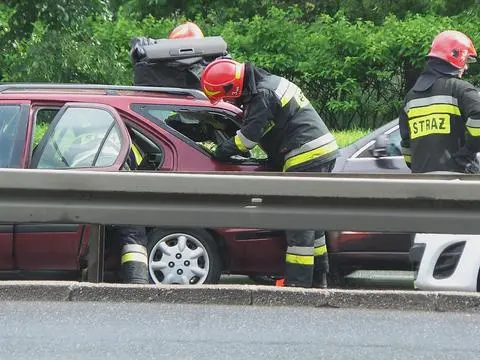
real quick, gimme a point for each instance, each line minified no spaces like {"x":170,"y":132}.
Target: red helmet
{"x":223,"y":79}
{"x":454,"y":47}
{"x":186,"y":30}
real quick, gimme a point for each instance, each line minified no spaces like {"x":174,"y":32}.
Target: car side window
{"x":393,"y":146}
{"x":200,"y":127}
{"x":206,"y":129}
{"x":43,"y":118}
{"x":147,"y":153}
{"x":82,"y":137}
{"x":10,"y":127}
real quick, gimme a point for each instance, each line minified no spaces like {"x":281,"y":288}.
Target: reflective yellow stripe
{"x":320,"y":250}
{"x":300,"y":250}
{"x":136,"y":152}
{"x":210,"y":93}
{"x":299,"y":259}
{"x":431,"y":100}
{"x":134,"y":257}
{"x":239,"y":144}
{"x":433,"y":109}
{"x":429,"y":125}
{"x":238,"y":71}
{"x":128,"y":248}
{"x":407,"y":158}
{"x":310,"y":155}
{"x":311,"y":145}
{"x":319,"y":241}
{"x":474,"y":131}
{"x":289,"y":94}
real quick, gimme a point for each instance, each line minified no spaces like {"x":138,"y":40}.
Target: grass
{"x":346,"y":137}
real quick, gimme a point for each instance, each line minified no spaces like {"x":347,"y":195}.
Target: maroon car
{"x":91,"y":127}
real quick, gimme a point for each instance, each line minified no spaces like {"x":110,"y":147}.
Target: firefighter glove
{"x":227,"y":149}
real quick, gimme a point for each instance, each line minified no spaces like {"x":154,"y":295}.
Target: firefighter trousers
{"x":306,"y":260}
{"x":133,"y":252}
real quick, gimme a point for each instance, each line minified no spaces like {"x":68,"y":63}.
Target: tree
{"x":55,"y":14}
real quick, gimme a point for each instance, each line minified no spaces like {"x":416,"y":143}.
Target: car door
{"x":13,"y":128}
{"x":388,"y":159}
{"x":82,"y":136}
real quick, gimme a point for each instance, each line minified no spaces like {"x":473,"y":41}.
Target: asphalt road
{"x":40,"y":330}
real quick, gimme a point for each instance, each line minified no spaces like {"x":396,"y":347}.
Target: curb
{"x":250,"y":295}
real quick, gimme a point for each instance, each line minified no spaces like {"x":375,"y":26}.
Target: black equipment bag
{"x":174,"y":62}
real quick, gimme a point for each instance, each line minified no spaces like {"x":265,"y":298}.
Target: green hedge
{"x":355,"y":73}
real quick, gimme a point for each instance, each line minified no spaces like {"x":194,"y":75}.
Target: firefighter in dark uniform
{"x":132,"y":239}
{"x":278,"y":118}
{"x":440,"y":119}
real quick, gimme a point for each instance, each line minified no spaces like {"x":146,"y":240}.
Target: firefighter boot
{"x":299,"y":258}
{"x":134,"y":264}
{"x":133,"y":240}
{"x":321,"y":266}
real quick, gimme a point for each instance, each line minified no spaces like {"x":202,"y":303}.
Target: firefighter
{"x":133,"y":239}
{"x":440,"y":119}
{"x":279,"y":118}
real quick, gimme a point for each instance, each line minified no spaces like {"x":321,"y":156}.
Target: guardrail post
{"x":96,"y":252}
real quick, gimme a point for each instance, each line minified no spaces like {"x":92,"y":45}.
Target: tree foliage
{"x":355,"y":59}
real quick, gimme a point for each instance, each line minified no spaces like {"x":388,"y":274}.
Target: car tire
{"x":183,"y":256}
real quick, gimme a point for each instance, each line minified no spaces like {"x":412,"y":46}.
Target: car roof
{"x":88,"y":92}
{"x":107,"y":89}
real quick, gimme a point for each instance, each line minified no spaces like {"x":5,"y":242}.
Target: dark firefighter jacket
{"x":440,"y":122}
{"x":279,"y":118}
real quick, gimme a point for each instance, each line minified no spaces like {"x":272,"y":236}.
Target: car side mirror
{"x":380,"y":147}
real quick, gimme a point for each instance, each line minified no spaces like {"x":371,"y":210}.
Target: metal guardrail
{"x":407,"y":203}
{"x":433,"y":203}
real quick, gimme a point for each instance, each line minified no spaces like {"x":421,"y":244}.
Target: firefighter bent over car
{"x":279,"y":118}
{"x":440,"y":121}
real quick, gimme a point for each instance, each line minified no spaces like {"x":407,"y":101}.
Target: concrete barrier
{"x":243,"y":295}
